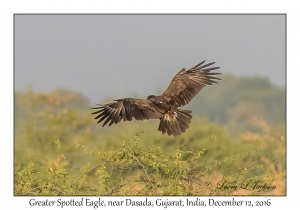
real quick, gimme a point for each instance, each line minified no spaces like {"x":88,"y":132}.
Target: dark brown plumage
{"x":184,"y":86}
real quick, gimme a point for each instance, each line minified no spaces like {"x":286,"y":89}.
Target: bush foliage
{"x":60,"y":150}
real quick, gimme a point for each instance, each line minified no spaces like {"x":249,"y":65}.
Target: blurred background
{"x":121,"y":55}
{"x":65,"y":64}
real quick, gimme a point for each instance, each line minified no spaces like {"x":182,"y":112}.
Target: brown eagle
{"x":173,"y":121}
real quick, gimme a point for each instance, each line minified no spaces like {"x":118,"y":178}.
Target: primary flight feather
{"x":185,"y":85}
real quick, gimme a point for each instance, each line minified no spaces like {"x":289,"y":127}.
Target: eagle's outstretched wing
{"x":187,"y":83}
{"x":125,"y":109}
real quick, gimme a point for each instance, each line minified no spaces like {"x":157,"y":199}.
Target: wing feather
{"x":186,"y":84}
{"x":125,"y":109}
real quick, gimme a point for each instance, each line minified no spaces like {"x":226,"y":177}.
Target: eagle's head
{"x":149,"y":97}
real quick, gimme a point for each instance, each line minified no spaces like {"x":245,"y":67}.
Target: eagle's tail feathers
{"x":175,"y":122}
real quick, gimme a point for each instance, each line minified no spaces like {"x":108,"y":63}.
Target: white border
{"x":8,"y":8}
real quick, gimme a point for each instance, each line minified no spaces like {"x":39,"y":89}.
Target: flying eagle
{"x":184,"y":86}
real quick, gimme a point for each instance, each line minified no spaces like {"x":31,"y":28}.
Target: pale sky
{"x":120,"y":56}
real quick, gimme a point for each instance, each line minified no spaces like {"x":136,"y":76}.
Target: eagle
{"x":185,"y":85}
